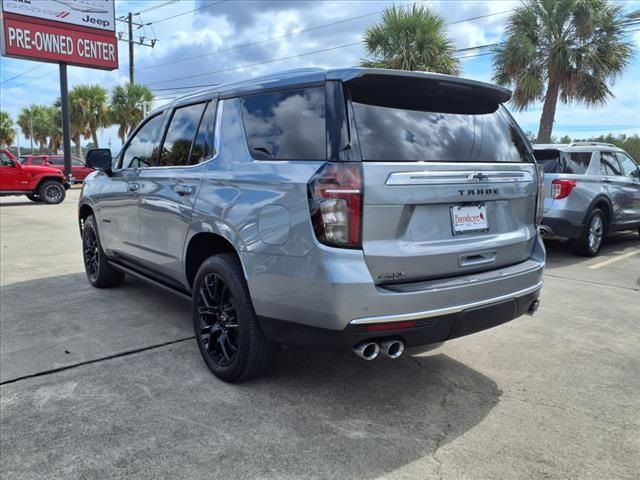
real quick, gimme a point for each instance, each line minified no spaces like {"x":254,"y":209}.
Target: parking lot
{"x":110,"y":384}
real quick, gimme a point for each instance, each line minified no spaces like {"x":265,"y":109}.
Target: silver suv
{"x":352,"y":209}
{"x":591,"y":189}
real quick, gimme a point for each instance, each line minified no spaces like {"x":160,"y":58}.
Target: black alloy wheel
{"x":99,"y":273}
{"x":52,"y":192}
{"x":219,"y":330}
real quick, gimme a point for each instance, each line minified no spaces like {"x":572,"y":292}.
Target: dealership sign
{"x":77,"y":32}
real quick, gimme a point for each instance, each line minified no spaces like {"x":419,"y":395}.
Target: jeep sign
{"x":75,"y":32}
{"x":99,"y":14}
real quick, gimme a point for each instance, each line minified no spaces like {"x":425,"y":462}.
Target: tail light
{"x":540,"y":197}
{"x":335,"y":204}
{"x":562,"y":188}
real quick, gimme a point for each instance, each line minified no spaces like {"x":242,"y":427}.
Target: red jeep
{"x":38,"y":183}
{"x":79,"y":169}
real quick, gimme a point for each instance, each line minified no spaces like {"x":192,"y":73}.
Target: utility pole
{"x":130,"y":22}
{"x":31,"y":128}
{"x":132,"y":42}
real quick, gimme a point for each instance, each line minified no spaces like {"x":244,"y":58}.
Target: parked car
{"x":38,"y":183}
{"x":79,"y":169}
{"x":591,"y":190}
{"x":348,"y":209}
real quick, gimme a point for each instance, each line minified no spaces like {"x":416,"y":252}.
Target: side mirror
{"x":100,"y":159}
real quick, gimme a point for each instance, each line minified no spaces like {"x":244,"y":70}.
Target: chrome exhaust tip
{"x":367,"y":350}
{"x":392,"y":348}
{"x":533,"y":309}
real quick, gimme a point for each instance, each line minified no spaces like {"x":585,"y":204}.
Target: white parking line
{"x":614,"y":259}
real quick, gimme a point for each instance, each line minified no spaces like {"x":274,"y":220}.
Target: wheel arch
{"x":604,"y":204}
{"x":84,"y":212}
{"x":46,"y":178}
{"x":202,"y":246}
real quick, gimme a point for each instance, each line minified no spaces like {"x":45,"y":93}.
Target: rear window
{"x":417,"y":130}
{"x":554,"y":161}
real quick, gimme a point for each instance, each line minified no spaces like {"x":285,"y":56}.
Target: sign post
{"x":67,"y":32}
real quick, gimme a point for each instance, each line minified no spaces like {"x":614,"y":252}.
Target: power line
{"x":190,"y":11}
{"x":23,"y":73}
{"x":155,"y":7}
{"x":310,"y":29}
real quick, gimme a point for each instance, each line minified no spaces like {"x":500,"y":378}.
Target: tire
{"x":34,"y":198}
{"x":221,"y":306}
{"x":592,"y":237}
{"x":52,"y":192}
{"x":99,"y":273}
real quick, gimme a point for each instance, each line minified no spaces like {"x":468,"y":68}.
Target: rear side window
{"x":56,"y":160}
{"x":139,"y":152}
{"x":180,"y":135}
{"x":286,"y":125}
{"x":554,"y":161}
{"x":404,"y":133}
{"x":609,"y":164}
{"x":203,"y":148}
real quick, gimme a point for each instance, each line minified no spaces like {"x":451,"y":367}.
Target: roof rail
{"x":591,"y":144}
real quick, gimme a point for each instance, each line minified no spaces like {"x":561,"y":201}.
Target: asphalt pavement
{"x":109,"y":383}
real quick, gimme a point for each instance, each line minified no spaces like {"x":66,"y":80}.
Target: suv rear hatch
{"x":450,"y":184}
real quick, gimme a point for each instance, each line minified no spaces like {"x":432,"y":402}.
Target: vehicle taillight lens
{"x":562,"y":188}
{"x":335,"y":204}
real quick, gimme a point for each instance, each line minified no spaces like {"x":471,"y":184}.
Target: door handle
{"x":606,"y":180}
{"x":181,"y":189}
{"x":133,"y":186}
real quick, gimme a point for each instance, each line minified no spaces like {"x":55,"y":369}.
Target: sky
{"x":201,"y":42}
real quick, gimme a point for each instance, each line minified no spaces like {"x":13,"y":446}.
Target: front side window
{"x":286,"y":125}
{"x":629,"y":167}
{"x":5,"y":161}
{"x":139,"y":152}
{"x":180,"y":135}
{"x":609,"y":164}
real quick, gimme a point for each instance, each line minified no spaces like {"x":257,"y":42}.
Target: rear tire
{"x":99,"y":273}
{"x":225,"y":324}
{"x":52,"y":192}
{"x":34,"y":198}
{"x":592,"y":236}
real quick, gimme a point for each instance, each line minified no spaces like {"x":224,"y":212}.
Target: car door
{"x":631,"y":172}
{"x":168,"y":191}
{"x":118,"y":198}
{"x":9,"y":174}
{"x":611,"y":175}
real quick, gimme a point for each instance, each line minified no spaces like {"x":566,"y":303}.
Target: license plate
{"x":469,"y":219}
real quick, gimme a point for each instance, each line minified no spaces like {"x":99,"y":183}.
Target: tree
{"x":128,"y":105}
{"x":89,"y":110}
{"x":76,"y":129}
{"x":35,"y":122}
{"x":561,"y":49}
{"x":411,"y":39}
{"x":7,"y":134}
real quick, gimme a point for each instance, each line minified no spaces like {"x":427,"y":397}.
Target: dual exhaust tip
{"x":370,"y":350}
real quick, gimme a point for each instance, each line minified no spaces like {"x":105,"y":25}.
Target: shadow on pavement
{"x":162,"y":414}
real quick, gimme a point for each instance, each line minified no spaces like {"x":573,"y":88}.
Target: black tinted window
{"x":139,"y":153}
{"x":554,"y":161}
{"x":288,"y":125}
{"x":56,"y":160}
{"x":37,"y":161}
{"x":389,"y":133}
{"x":5,"y":161}
{"x":203,"y":147}
{"x":609,"y":164}
{"x":180,"y":135}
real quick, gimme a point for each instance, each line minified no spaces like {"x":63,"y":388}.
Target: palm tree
{"x":7,"y":134}
{"x":77,"y":130}
{"x":411,"y":39}
{"x":36,"y":123}
{"x":25,"y":121}
{"x":561,"y":49}
{"x":89,"y":110}
{"x":128,"y":105}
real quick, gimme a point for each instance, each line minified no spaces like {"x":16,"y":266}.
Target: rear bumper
{"x":560,"y":227}
{"x":429,"y":330}
{"x":332,"y":289}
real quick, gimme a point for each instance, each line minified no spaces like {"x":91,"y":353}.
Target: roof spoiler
{"x":443,"y":83}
